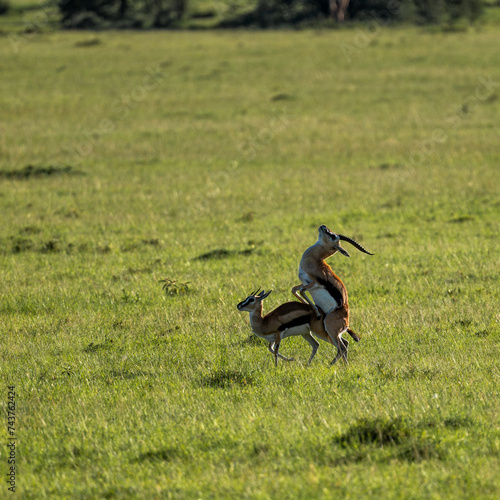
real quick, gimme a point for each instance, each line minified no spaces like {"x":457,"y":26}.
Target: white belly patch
{"x":323,"y":299}
{"x":319,"y":294}
{"x":289,"y":332}
{"x":295,"y":330}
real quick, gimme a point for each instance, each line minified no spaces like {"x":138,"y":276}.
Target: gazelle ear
{"x":263,"y":295}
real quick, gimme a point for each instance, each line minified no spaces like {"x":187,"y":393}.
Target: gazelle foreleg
{"x":277,"y":347}
{"x":296,"y":292}
{"x":300,"y":292}
{"x":310,"y":340}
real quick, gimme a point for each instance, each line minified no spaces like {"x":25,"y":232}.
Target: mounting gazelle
{"x":287,"y":320}
{"x":326,"y":288}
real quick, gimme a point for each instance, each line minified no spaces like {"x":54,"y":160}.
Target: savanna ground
{"x":210,"y":159}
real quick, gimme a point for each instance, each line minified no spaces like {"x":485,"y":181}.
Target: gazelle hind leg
{"x":271,"y":348}
{"x":342,"y":351}
{"x":314,"y":344}
{"x":335,"y":325}
{"x":345,"y":342}
{"x":336,"y":358}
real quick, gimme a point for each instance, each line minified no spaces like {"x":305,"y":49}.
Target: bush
{"x":267,"y":13}
{"x":4,"y":7}
{"x":101,"y":8}
{"x":367,"y":9}
{"x":167,"y":13}
{"x":446,"y":11}
{"x":85,"y":21}
{"x":468,"y":9}
{"x":94,"y":14}
{"x":429,"y":11}
{"x":277,"y":12}
{"x":273,"y":13}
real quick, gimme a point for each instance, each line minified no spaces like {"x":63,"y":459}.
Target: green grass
{"x":210,"y":159}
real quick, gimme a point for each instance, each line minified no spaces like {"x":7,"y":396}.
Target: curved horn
{"x":256,"y":292}
{"x":354,"y":243}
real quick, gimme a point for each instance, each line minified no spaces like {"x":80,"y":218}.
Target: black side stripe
{"x":301,"y":320}
{"x":332,"y":290}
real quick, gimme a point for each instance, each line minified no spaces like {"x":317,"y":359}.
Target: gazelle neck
{"x":256,"y":317}
{"x":318,"y":252}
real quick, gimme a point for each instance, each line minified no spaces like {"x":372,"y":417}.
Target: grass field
{"x":211,"y":159}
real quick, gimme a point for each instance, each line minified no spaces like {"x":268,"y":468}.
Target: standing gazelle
{"x":326,"y":288}
{"x":338,"y":9}
{"x":289,"y":319}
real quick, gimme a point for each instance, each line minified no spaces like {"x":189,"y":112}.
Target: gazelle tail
{"x":353,"y":334}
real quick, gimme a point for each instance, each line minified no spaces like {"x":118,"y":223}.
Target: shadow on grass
{"x":409,"y":372}
{"x":31,"y":171}
{"x":253,"y":340}
{"x":384,"y":439}
{"x":228,"y":378}
{"x":22,"y":243}
{"x":418,"y":450}
{"x":130,"y":375}
{"x":92,"y":348}
{"x":375,"y":431}
{"x":163,"y":455}
{"x":223,"y":253}
{"x":52,"y":245}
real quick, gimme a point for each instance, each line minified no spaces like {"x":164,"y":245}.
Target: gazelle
{"x":326,"y":288}
{"x":289,"y":319}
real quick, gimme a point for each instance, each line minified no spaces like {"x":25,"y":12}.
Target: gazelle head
{"x":253,"y":301}
{"x":331,"y":241}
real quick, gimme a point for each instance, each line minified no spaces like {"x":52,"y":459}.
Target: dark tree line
{"x":121,"y":13}
{"x":145,"y":14}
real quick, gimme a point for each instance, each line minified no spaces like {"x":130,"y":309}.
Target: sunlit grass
{"x":206,"y":161}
